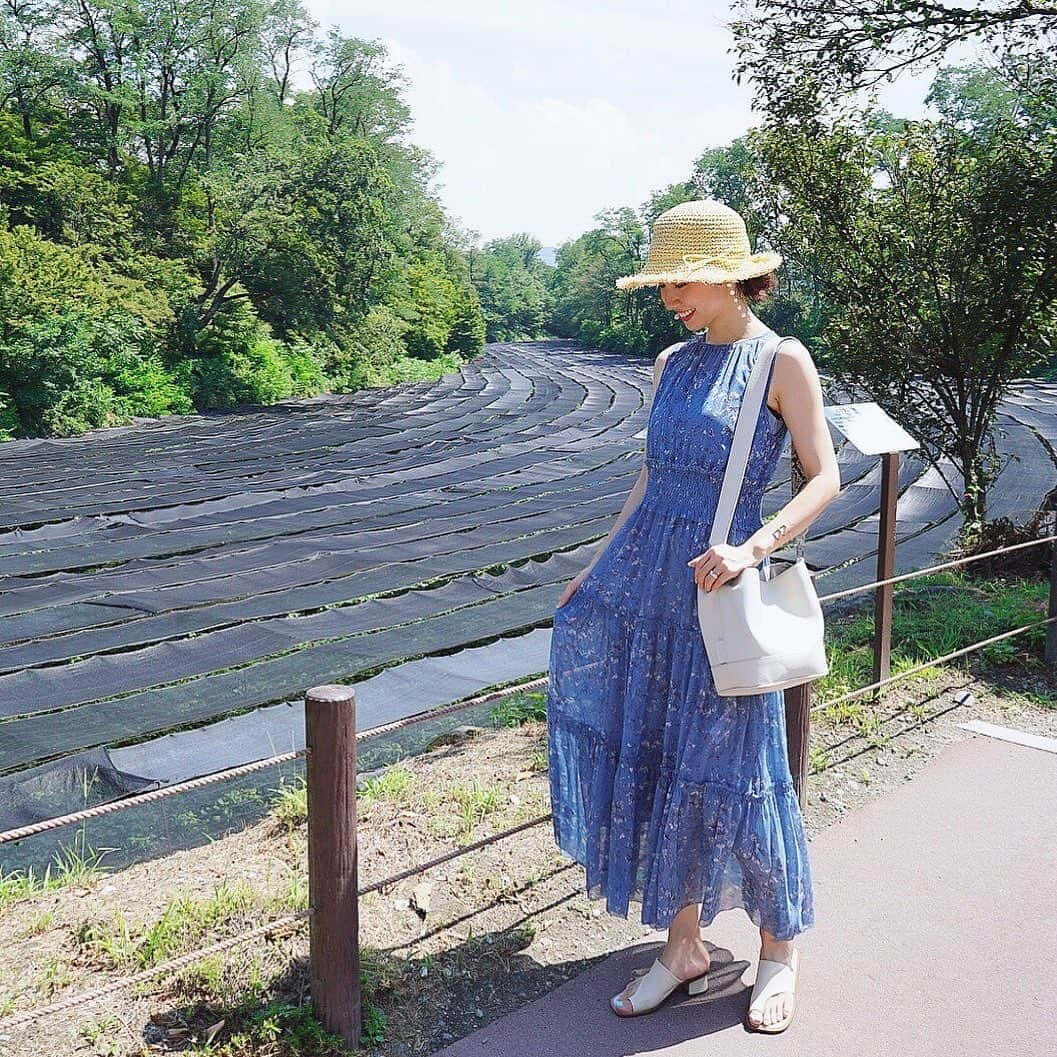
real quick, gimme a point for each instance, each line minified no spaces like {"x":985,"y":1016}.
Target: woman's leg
{"x":777,"y":1006}
{"x":685,"y":954}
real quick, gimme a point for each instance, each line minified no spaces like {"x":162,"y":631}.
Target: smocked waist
{"x":694,"y":491}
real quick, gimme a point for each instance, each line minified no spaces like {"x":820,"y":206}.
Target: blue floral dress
{"x":665,"y":791}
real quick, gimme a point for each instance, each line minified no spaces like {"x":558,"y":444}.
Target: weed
{"x":819,"y":760}
{"x":76,"y":866}
{"x":182,"y":923}
{"x":55,"y":976}
{"x":295,"y":1026}
{"x":525,"y":932}
{"x":374,"y":1026}
{"x":97,"y":1033}
{"x":476,"y":800}
{"x":289,"y":805}
{"x":516,"y":709}
{"x":41,"y":923}
{"x":394,"y":783}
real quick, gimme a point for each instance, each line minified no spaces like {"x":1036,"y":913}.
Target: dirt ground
{"x":454,"y":948}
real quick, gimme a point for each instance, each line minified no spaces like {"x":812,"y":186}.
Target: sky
{"x":542,"y":113}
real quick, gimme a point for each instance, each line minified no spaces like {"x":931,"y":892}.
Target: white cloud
{"x":544,"y":164}
{"x":683,"y":28}
{"x":543,"y":114}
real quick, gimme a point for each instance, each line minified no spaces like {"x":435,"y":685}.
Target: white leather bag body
{"x":760,"y":634}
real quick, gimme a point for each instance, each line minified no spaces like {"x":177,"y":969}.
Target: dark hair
{"x":759,"y":287}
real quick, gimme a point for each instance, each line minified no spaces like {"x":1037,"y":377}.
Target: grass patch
{"x":260,"y":1015}
{"x":100,"y":1035}
{"x":280,"y":1028}
{"x":74,"y":867}
{"x":183,"y":923}
{"x":931,"y":616}
{"x":289,"y":804}
{"x":476,"y":800}
{"x":516,"y":709}
{"x":393,"y":784}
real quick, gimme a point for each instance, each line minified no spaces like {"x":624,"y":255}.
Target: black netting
{"x":64,"y":786}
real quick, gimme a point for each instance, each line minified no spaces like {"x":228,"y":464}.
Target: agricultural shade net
{"x":203,"y":571}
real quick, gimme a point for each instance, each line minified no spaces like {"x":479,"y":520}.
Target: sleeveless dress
{"x":665,"y":791}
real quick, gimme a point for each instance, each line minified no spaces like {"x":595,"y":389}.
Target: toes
{"x":775,"y":1009}
{"x":621,"y":1001}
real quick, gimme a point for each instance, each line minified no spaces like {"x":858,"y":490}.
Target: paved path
{"x":933,"y":935}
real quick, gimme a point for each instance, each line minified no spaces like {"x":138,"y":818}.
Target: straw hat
{"x":704,"y":241}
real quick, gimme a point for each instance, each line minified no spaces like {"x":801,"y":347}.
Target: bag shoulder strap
{"x":744,"y":430}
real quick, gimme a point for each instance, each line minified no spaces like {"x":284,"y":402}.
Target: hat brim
{"x":757,"y":264}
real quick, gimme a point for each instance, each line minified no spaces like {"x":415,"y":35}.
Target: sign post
{"x":871,"y":430}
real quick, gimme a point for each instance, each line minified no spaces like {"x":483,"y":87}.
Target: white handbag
{"x":759,"y":634}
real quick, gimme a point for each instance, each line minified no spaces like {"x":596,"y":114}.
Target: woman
{"x":665,"y":791}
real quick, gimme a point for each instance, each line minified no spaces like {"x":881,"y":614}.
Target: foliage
{"x":512,"y":284}
{"x":182,"y":227}
{"x":809,"y":56}
{"x":69,"y":372}
{"x":935,"y":244}
{"x":587,"y":304}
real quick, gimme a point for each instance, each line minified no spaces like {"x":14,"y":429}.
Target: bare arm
{"x":797,"y":391}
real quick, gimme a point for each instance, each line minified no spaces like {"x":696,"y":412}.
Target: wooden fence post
{"x":334,"y":945}
{"x":886,"y":563}
{"x":798,"y":698}
{"x":1051,"y":629}
{"x":798,"y":736}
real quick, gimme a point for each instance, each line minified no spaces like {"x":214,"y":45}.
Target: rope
{"x":483,"y":842}
{"x":851,"y":694}
{"x":146,"y":798}
{"x":284,"y":924}
{"x":273,"y":927}
{"x":386,"y":728}
{"x":934,"y":568}
{"x":248,"y":768}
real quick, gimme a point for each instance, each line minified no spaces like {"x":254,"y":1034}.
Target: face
{"x":696,"y":304}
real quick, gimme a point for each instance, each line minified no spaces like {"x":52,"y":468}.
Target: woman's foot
{"x":778,"y":1006}
{"x":684,"y":959}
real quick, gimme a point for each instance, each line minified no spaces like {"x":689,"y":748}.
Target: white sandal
{"x":657,"y":983}
{"x":773,"y":978}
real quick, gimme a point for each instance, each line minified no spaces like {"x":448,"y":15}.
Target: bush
{"x":468,"y":331}
{"x":235,"y":360}
{"x":368,"y":351}
{"x":8,"y":417}
{"x":70,"y":372}
{"x":304,"y":364}
{"x":1029,"y":563}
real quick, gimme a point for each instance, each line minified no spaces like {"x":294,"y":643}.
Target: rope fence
{"x":269,"y":930}
{"x":139,"y":799}
{"x":331,"y":740}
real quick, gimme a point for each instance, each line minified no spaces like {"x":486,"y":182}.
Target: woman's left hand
{"x":726,"y":561}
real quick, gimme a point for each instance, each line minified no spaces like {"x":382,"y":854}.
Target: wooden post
{"x":1051,"y":629}
{"x":334,"y":946}
{"x":798,"y":698}
{"x":798,"y":736}
{"x":886,"y":563}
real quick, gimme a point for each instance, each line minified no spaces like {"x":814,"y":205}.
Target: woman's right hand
{"x":572,"y":585}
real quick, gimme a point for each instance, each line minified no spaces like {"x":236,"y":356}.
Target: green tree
{"x":810,"y":56}
{"x":935,"y":244}
{"x":157,"y":161}
{"x":512,"y":285}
